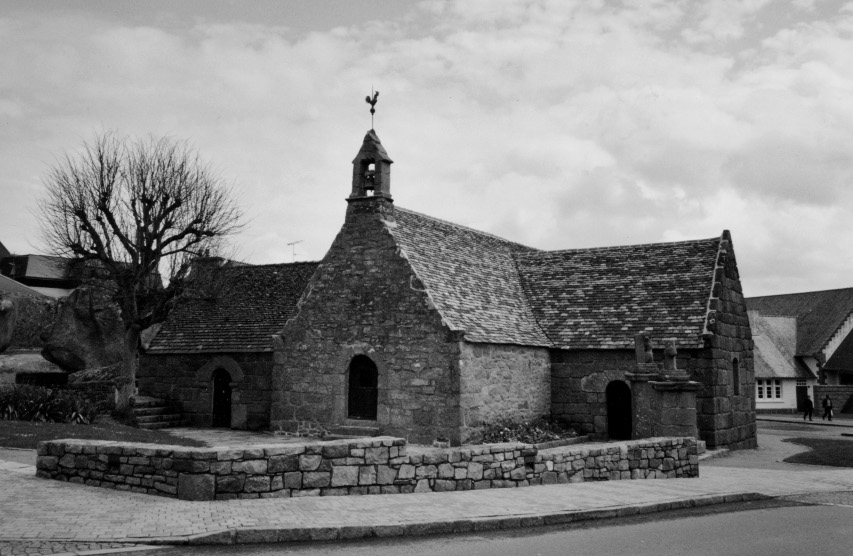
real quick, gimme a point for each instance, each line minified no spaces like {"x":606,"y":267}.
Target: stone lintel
{"x":641,"y":377}
{"x":676,"y":386}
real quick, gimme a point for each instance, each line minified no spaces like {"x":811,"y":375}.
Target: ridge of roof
{"x":267,"y":265}
{"x":630,"y":246}
{"x":831,"y":290}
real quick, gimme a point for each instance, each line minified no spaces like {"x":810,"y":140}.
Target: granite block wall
{"x":365,"y":300}
{"x":578,"y":382}
{"x":502,"y":382}
{"x":725,"y":407}
{"x":365,"y":466}
{"x":185,"y":382}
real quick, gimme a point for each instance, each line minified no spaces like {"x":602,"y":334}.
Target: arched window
{"x":736,"y":376}
{"x":363,"y":388}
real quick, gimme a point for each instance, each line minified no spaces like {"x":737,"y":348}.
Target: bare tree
{"x":142,"y":210}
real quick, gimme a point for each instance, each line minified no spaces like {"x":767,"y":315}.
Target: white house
{"x":801,"y":339}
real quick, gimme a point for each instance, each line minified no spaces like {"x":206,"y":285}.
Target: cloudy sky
{"x":556,"y":124}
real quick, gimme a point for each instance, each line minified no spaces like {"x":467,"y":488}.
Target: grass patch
{"x":27,"y":434}
{"x":824,"y":451}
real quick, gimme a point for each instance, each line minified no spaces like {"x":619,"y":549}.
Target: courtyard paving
{"x":38,"y":514}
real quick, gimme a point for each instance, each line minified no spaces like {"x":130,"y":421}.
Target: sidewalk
{"x":41,"y":510}
{"x":839,"y":420}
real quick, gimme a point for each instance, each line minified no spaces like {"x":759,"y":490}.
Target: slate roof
{"x":471,"y":277}
{"x":498,"y":291}
{"x":257,"y":302}
{"x":600,"y":298}
{"x":7,"y":285}
{"x":775,"y":344}
{"x":819,"y":314}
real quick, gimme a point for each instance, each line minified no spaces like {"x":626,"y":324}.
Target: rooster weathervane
{"x":372,"y":102}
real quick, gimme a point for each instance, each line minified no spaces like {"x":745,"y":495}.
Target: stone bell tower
{"x":371,"y":178}
{"x":371,"y":169}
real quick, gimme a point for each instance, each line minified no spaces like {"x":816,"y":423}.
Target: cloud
{"x":556,"y":124}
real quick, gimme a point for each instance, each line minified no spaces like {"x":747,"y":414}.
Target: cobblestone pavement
{"x":38,"y":510}
{"x":61,"y":548}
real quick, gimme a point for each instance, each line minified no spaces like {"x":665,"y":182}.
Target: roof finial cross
{"x":372,"y":103}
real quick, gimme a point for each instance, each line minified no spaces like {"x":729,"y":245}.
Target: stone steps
{"x":146,"y":411}
{"x":154,"y":413}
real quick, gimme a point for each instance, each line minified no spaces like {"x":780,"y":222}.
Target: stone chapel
{"x":416,"y":327}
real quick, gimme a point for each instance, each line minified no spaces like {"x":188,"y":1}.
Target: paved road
{"x":37,"y":512}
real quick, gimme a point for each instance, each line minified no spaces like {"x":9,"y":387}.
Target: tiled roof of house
{"x":600,"y":298}
{"x":775,"y":345}
{"x":3,"y":250}
{"x":7,"y":285}
{"x":471,"y":277}
{"x":819,"y":314}
{"x":255,"y":303}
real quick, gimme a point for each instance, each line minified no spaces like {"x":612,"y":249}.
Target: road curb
{"x":465,"y":525}
{"x":796,"y":421}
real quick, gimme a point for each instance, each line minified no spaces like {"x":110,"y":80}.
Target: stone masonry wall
{"x":365,"y":299}
{"x":579,"y":379}
{"x":501,"y":381}
{"x":185,"y":381}
{"x":726,"y":411}
{"x":365,"y":466}
{"x":578,"y":382}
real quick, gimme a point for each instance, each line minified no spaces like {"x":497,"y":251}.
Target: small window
{"x":777,"y":388}
{"x":736,"y":376}
{"x":801,"y":382}
{"x":759,"y":389}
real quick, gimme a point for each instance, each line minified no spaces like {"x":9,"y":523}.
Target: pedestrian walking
{"x":827,"y":408}
{"x":808,"y":408}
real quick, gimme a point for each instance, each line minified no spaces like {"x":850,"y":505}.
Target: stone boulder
{"x":87,"y":333}
{"x":30,"y":362}
{"x":8,"y":312}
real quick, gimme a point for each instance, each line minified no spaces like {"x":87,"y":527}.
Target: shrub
{"x":543,"y":429}
{"x":52,"y":405}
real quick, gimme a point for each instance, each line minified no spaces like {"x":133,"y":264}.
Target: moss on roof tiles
{"x":254,"y":304}
{"x":471,"y":277}
{"x":593,"y":298}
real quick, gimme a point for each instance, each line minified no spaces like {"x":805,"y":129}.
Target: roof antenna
{"x":293,"y":246}
{"x":372,"y":104}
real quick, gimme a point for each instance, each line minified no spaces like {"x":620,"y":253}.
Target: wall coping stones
{"x":378,"y":465}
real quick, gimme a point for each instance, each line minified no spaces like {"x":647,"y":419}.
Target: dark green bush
{"x":543,"y":429}
{"x":23,"y":402}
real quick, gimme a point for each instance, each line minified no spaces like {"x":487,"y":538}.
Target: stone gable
{"x":365,"y":299}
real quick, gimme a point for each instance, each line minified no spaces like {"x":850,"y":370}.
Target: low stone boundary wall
{"x":366,"y":466}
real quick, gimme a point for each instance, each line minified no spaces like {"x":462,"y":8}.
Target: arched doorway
{"x":618,"y":410}
{"x":221,"y":415}
{"x":363,"y":388}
